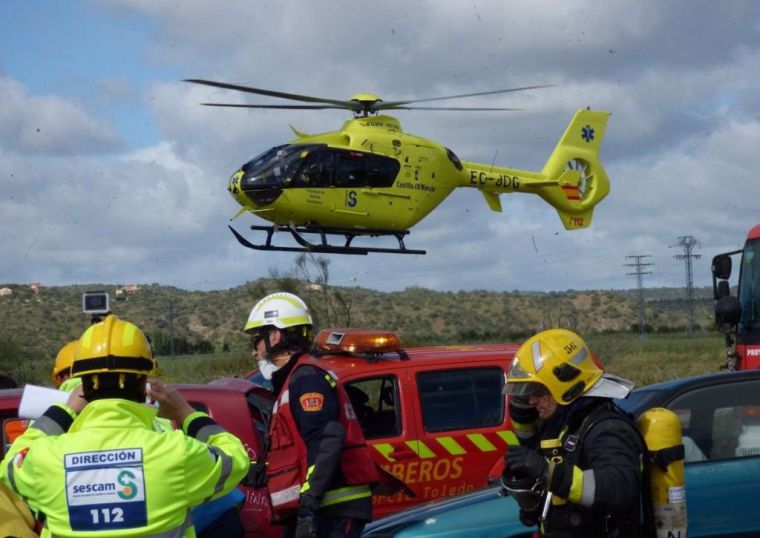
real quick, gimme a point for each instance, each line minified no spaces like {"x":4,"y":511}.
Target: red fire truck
{"x":739,"y":317}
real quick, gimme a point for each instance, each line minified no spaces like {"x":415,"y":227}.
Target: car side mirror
{"x":723,"y":289}
{"x":721,"y":267}
{"x":728,"y":311}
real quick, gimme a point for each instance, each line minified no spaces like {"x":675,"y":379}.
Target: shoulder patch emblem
{"x":312,"y":401}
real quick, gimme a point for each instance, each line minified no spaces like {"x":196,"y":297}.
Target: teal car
{"x":720,"y":420}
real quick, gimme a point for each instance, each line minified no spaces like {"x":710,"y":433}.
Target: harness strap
{"x":666,"y":456}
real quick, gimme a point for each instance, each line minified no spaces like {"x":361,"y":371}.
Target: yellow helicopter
{"x":370,"y":179}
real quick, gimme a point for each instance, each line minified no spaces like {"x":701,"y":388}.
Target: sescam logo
{"x":130,"y":488}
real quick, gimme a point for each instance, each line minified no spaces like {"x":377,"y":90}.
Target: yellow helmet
{"x":64,"y":359}
{"x":557,"y":359}
{"x":113,"y":345}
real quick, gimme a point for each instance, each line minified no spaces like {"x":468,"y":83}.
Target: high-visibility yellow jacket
{"x":108,"y":472}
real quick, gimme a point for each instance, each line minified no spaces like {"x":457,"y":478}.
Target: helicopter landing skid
{"x":323,"y":246}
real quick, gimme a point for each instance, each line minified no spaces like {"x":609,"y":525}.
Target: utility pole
{"x":639,"y":273}
{"x":688,"y":242}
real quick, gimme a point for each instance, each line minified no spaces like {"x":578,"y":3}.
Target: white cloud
{"x":49,"y":124}
{"x":680,"y":79}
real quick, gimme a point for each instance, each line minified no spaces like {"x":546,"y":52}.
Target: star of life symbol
{"x":587,"y":133}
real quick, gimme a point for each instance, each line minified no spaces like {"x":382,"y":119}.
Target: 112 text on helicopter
{"x":371,"y":179}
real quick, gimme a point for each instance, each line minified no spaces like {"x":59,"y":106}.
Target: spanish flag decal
{"x":571,"y":192}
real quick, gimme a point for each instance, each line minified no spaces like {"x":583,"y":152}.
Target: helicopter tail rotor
{"x":581,"y":181}
{"x":572,"y":181}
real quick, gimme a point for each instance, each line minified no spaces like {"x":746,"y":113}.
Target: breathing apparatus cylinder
{"x":661,"y":430}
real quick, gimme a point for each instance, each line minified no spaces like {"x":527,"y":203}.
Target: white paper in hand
{"x":35,"y":400}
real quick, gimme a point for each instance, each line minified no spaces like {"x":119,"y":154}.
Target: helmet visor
{"x":524,"y":388}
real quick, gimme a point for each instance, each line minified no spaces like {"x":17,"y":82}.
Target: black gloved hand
{"x":306,"y":527}
{"x":307,"y":509}
{"x":525,"y":462}
{"x":257,"y":475}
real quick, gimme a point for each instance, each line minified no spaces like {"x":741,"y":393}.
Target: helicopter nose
{"x":234,"y":186}
{"x":244,"y":189}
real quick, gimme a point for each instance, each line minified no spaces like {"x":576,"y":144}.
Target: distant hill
{"x":40,"y":323}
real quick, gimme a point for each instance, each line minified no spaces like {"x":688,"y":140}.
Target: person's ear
{"x":275,"y":337}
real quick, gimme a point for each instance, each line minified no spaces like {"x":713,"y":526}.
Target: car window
{"x":375,"y":401}
{"x":261,"y":412}
{"x":199,"y":406}
{"x":461,"y":399}
{"x":720,"y":421}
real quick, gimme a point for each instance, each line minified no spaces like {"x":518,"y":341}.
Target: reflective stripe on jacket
{"x":113,"y":474}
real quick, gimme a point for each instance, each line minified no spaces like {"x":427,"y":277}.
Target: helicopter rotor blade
{"x":395,"y":104}
{"x":454,"y":108}
{"x":287,"y":107}
{"x":271,"y":93}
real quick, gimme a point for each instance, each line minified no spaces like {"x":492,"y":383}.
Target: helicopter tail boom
{"x":572,"y":181}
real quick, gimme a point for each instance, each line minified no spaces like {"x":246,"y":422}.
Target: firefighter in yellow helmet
{"x":577,"y":449}
{"x":97,"y":466}
{"x":62,"y":367}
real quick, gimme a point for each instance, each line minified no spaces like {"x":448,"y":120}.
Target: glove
{"x":257,"y":475}
{"x":307,"y":510}
{"x":524,"y":462}
{"x":305,"y":527}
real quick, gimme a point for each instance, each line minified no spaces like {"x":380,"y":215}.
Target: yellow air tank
{"x":661,"y":430}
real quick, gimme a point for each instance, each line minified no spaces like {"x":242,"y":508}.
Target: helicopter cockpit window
{"x":275,"y":168}
{"x":266,"y":158}
{"x":357,"y":169}
{"x":317,"y":170}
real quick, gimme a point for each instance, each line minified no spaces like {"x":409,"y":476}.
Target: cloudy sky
{"x":111,"y":172}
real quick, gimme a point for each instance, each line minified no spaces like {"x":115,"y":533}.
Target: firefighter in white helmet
{"x":319,"y":468}
{"x":576,"y":446}
{"x":97,"y":466}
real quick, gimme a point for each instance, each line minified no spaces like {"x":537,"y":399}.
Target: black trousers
{"x":329,"y":526}
{"x":228,"y":525}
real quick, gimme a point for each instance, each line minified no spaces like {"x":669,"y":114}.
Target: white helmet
{"x":281,"y":310}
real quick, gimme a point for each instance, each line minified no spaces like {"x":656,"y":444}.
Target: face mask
{"x":267,"y":369}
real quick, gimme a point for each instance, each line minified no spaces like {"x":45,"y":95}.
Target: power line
{"x":688,"y":242}
{"x":639,"y":273}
